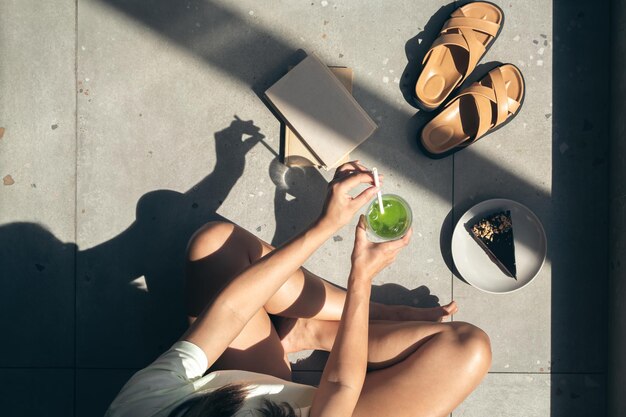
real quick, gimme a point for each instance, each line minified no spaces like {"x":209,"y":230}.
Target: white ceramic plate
{"x":530,"y":248}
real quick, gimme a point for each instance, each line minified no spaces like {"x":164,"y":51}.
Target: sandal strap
{"x":465,"y":38}
{"x":474,"y":46}
{"x":483,"y":106}
{"x":468,"y":26}
{"x":484,"y":97}
{"x":445,"y":39}
{"x":502,"y":102}
{"x":473,"y":23}
{"x":476,"y":89}
{"x":455,"y":39}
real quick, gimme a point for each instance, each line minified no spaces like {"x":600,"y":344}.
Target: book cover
{"x":296,"y":153}
{"x":316,"y":106}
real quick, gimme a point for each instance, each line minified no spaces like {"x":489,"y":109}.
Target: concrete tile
{"x":148,"y":178}
{"x":37,"y":164}
{"x":96,"y":389}
{"x":515,"y":163}
{"x":518,"y":324}
{"x":514,"y":395}
{"x":38,"y":115}
{"x":22,"y":395}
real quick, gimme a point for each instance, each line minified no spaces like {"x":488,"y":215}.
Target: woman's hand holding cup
{"x":340,"y":207}
{"x":369,"y":258}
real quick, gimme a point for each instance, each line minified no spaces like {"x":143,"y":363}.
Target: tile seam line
{"x":75,"y":397}
{"x":452,"y":231}
{"x":453,"y":223}
{"x":545,"y":373}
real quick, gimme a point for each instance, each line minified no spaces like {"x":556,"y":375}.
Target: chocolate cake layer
{"x":494,"y":234}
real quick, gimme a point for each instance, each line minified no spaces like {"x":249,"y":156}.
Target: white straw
{"x":379,"y":194}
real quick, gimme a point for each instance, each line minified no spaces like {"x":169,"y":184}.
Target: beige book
{"x":317,"y":107}
{"x":296,"y":152}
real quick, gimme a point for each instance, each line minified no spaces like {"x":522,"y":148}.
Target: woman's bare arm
{"x":345,"y":370}
{"x":222,"y":320}
{"x":344,"y":373}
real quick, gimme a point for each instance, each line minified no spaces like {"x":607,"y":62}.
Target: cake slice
{"x":494,"y":234}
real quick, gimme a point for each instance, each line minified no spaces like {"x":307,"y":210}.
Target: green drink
{"x":393,"y":223}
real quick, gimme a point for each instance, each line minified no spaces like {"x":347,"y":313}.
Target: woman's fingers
{"x":340,"y":206}
{"x":361,"y":166}
{"x":347,"y":165}
{"x":396,"y":245}
{"x":360,"y":232}
{"x":365,"y":196}
{"x":354,"y":179}
{"x":350,"y":166}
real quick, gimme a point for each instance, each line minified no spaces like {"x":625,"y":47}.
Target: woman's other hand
{"x":369,"y":258}
{"x":340,"y":207}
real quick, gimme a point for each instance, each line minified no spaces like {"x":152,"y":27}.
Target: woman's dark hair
{"x":225,"y":402}
{"x":222,"y":402}
{"x":271,"y":409}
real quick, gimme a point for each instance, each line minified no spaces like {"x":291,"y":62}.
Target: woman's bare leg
{"x":219,"y":251}
{"x":257,"y":349}
{"x":410,"y":358}
{"x":427,"y":368}
{"x":448,"y":362}
{"x":215,"y":255}
{"x":413,"y":361}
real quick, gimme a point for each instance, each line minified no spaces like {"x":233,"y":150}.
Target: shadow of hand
{"x":243,"y":128}
{"x":233,"y":143}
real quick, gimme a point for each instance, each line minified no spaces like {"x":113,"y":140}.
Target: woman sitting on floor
{"x":250,"y":304}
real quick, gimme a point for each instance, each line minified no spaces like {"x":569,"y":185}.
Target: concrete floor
{"x":121,"y":138}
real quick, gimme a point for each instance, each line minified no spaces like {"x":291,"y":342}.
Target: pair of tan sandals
{"x":484,"y":106}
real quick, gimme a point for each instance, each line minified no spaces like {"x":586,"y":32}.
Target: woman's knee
{"x":209,"y":239}
{"x":216,"y":253}
{"x":474,"y":344}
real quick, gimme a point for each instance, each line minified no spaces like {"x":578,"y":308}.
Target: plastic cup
{"x":391,"y":225}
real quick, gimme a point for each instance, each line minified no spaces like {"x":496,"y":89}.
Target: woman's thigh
{"x":438,"y":369}
{"x":216,"y":254}
{"x":257,"y":349}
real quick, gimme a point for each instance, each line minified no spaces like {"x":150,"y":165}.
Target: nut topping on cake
{"x":486,"y":228}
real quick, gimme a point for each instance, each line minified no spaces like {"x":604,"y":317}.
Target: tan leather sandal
{"x":478,"y":110}
{"x":462,"y":42}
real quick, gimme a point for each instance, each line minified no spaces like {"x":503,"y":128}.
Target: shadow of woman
{"x":129,"y":289}
{"x":150,"y":255}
